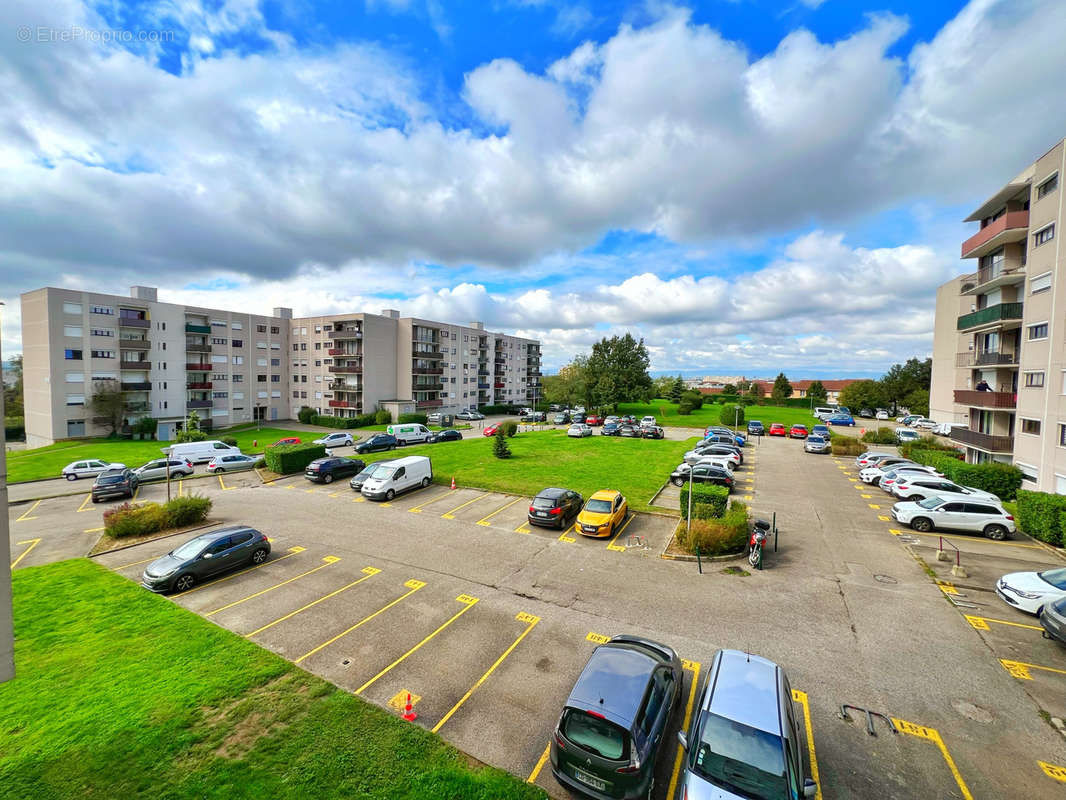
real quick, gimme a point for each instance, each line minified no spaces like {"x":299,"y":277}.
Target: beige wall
{"x":946,"y":344}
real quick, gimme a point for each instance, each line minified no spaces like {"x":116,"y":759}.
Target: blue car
{"x":840,"y":419}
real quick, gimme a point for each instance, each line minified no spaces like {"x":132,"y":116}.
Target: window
{"x":260,"y":362}
{"x":275,"y":379}
{"x":275,"y":393}
{"x":237,"y":343}
{"x":1044,"y":235}
{"x":238,"y":395}
{"x":219,"y":341}
{"x":295,"y":394}
{"x":75,"y":355}
{"x":303,"y":379}
{"x":238,"y":379}
{"x":106,"y":310}
{"x":275,"y":329}
{"x":1041,"y":283}
{"x":260,"y":328}
{"x":295,"y":347}
{"x":275,"y":345}
{"x":303,"y":395}
{"x":303,"y":345}
{"x":101,"y":332}
{"x":105,"y":376}
{"x":260,"y":345}
{"x":1034,"y":379}
{"x":75,"y":377}
{"x":1029,"y":472}
{"x":236,"y":326}
{"x":1031,"y":426}
{"x":75,"y":399}
{"x":220,"y":376}
{"x":217,"y":359}
{"x":218,"y":323}
{"x":220,"y":395}
{"x":318,"y":345}
{"x":103,"y":353}
{"x":238,"y":359}
{"x":261,"y":395}
{"x":72,"y":308}
{"x":1048,"y":186}
{"x":318,"y":379}
{"x":72,"y":330}
{"x":260,"y":378}
{"x":318,"y":395}
{"x":1038,"y":331}
{"x":275,"y":362}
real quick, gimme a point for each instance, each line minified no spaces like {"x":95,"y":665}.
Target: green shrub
{"x":1003,"y":480}
{"x":684,"y":408}
{"x":499,"y":408}
{"x":190,"y":435}
{"x":229,"y":440}
{"x":305,"y":414}
{"x":1042,"y":515}
{"x":187,"y":510}
{"x":731,"y":414}
{"x":382,"y":416}
{"x":879,"y":436}
{"x":499,"y":444}
{"x":343,"y":422}
{"x":421,"y":419}
{"x":146,"y":426}
{"x":708,"y":501}
{"x":695,"y":399}
{"x":289,"y":458}
{"x":714,"y":537}
{"x":135,"y":520}
{"x":14,"y":428}
{"x":930,"y":443}
{"x":510,"y":428}
{"x":845,"y":445}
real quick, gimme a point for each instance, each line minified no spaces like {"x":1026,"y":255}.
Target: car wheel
{"x":922,"y":525}
{"x":389,"y":495}
{"x":651,"y":789}
{"x":425,"y":482}
{"x":259,"y":555}
{"x":679,"y":481}
{"x":327,"y":478}
{"x":184,"y":582}
{"x":996,"y":533}
{"x":915,"y":498}
{"x":392,"y":447}
{"x":72,"y":477}
{"x":96,"y":499}
{"x":219,"y":470}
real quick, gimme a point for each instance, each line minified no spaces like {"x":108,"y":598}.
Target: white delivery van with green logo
{"x":409,"y":433}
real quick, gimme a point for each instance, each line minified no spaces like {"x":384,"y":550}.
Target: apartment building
{"x":999,"y":340}
{"x":232,"y":367}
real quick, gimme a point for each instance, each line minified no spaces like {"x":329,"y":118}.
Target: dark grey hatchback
{"x":206,"y":555}
{"x":612,"y":726}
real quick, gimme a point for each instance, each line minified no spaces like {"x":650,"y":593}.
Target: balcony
{"x":969,"y":397}
{"x":136,"y":386}
{"x":427,"y":370}
{"x":347,"y":333}
{"x":132,"y":322}
{"x":991,"y":277}
{"x":345,"y":370}
{"x":134,"y":344}
{"x":136,"y":408}
{"x":1011,"y":227}
{"x":429,"y":403}
{"x":193,"y":347}
{"x":996,"y":313}
{"x":983,"y":441}
{"x":341,"y":404}
{"x":199,"y":385}
{"x":139,"y":364}
{"x":197,"y":367}
{"x":428,"y":354}
{"x":483,"y":386}
{"x":190,"y":328}
{"x":341,"y":386}
{"x":337,"y":351}
{"x":500,"y":385}
{"x":198,"y":404}
{"x":989,"y":358}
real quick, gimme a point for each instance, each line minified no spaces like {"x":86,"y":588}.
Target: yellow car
{"x":602,"y":515}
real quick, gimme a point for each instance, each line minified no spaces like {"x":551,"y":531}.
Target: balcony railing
{"x":1000,"y":311}
{"x":199,"y":385}
{"x":427,"y":371}
{"x":969,"y":397}
{"x":136,"y":386}
{"x":483,"y":386}
{"x":989,"y":358}
{"x":190,"y":328}
{"x":1001,"y":269}
{"x":338,"y":369}
{"x":131,"y":322}
{"x":1015,"y":221}
{"x":347,"y":333}
{"x":429,"y":403}
{"x":134,"y":344}
{"x":136,"y":408}
{"x":499,"y":385}
{"x":337,"y":351}
{"x":135,"y":363}
{"x":196,"y":347}
{"x":341,"y":404}
{"x":190,"y":367}
{"x":198,"y":404}
{"x":341,"y":386}
{"x":983,"y":441}
{"x":430,"y":354}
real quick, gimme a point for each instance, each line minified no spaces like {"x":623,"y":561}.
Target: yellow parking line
{"x":611,"y":544}
{"x":981,"y":623}
{"x":485,"y":520}
{"x":1052,"y":771}
{"x":866,"y":496}
{"x":694,"y":666}
{"x":801,"y":698}
{"x":451,"y":514}
{"x":1006,"y":543}
{"x":418,"y":509}
{"x":412,"y":587}
{"x":135,"y":563}
{"x":523,"y":528}
{"x":136,"y":492}
{"x":32,"y":544}
{"x":92,"y":530}
{"x":1021,"y":670}
{"x":370,"y":573}
{"x":26,"y":514}
{"x":540,"y":764}
{"x":930,"y":734}
{"x":873,"y":505}
{"x":181,"y":487}
{"x":225,"y":488}
{"x":463,"y":598}
{"x":359,"y":499}
{"x":328,"y":559}
{"x":338,"y":492}
{"x":883,"y":518}
{"x":293,"y":551}
{"x":521,"y":617}
{"x":88,"y":499}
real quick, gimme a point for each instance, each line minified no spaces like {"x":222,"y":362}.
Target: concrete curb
{"x":694,"y":559}
{"x":155,"y":539}
{"x":86,"y":491}
{"x":1059,"y":725}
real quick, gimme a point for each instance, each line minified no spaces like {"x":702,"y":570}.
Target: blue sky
{"x":751,"y":186}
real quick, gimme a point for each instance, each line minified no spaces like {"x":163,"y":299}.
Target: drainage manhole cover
{"x":885,"y":579}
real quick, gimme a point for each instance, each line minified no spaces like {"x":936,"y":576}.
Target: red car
{"x":592,"y":419}
{"x":777,"y":429}
{"x":290,"y":440}
{"x":796,"y":432}
{"x":491,"y":430}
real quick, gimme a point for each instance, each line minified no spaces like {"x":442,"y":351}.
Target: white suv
{"x":335,"y":440}
{"x":647,"y":422}
{"x":955,"y":513}
{"x":915,"y":486}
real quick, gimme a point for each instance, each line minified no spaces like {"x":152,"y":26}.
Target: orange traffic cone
{"x":453,"y":481}
{"x":408,"y":712}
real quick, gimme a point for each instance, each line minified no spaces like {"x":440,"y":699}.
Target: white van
{"x":201,"y":452}
{"x":392,"y":477}
{"x":409,"y":433}
{"x":824,"y":412}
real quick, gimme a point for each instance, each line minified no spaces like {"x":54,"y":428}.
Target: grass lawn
{"x":121,"y":693}
{"x":666,"y":413}
{"x":635,"y":467}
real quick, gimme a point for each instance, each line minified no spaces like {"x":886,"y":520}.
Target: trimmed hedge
{"x":730,"y":414}
{"x":141,"y":519}
{"x":305,"y":414}
{"x":714,"y":537}
{"x":14,"y":428}
{"x":879,"y":436}
{"x":1003,"y":480}
{"x":501,"y":408}
{"x":708,"y":501}
{"x":1042,"y":515}
{"x":288,"y":458}
{"x":419,"y":418}
{"x":845,"y":445}
{"x":343,"y":422}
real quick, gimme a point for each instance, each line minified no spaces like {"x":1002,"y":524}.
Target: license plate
{"x":589,"y":528}
{"x":589,"y":780}
{"x":542,"y":514}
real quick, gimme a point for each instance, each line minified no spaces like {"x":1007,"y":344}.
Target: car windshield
{"x":930,"y":502}
{"x":368,"y":472}
{"x":105,"y":479}
{"x":745,"y":760}
{"x":815,"y":440}
{"x":598,"y":506}
{"x":1056,"y":577}
{"x":543,"y":502}
{"x":594,"y":734}
{"x":384,"y":472}
{"x":191,"y":548}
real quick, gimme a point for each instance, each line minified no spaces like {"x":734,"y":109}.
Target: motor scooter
{"x":757,"y":542}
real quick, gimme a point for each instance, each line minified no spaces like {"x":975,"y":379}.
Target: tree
{"x":782,"y":389}
{"x":676,"y":389}
{"x":753,"y":395}
{"x":863,"y":394}
{"x":693,"y":398}
{"x":731,"y":415}
{"x":817,"y":392}
{"x":917,"y":402}
{"x":729,"y":388}
{"x":191,"y":432}
{"x":661,"y":386}
{"x":903,"y":379}
{"x":13,"y":404}
{"x":499,"y":444}
{"x":305,"y":414}
{"x":625,"y":361}
{"x":569,"y":386}
{"x":108,"y":403}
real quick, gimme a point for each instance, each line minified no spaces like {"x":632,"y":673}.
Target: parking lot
{"x":449,"y":597}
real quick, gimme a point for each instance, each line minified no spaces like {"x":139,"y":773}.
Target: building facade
{"x":999,"y":341}
{"x":232,"y":367}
